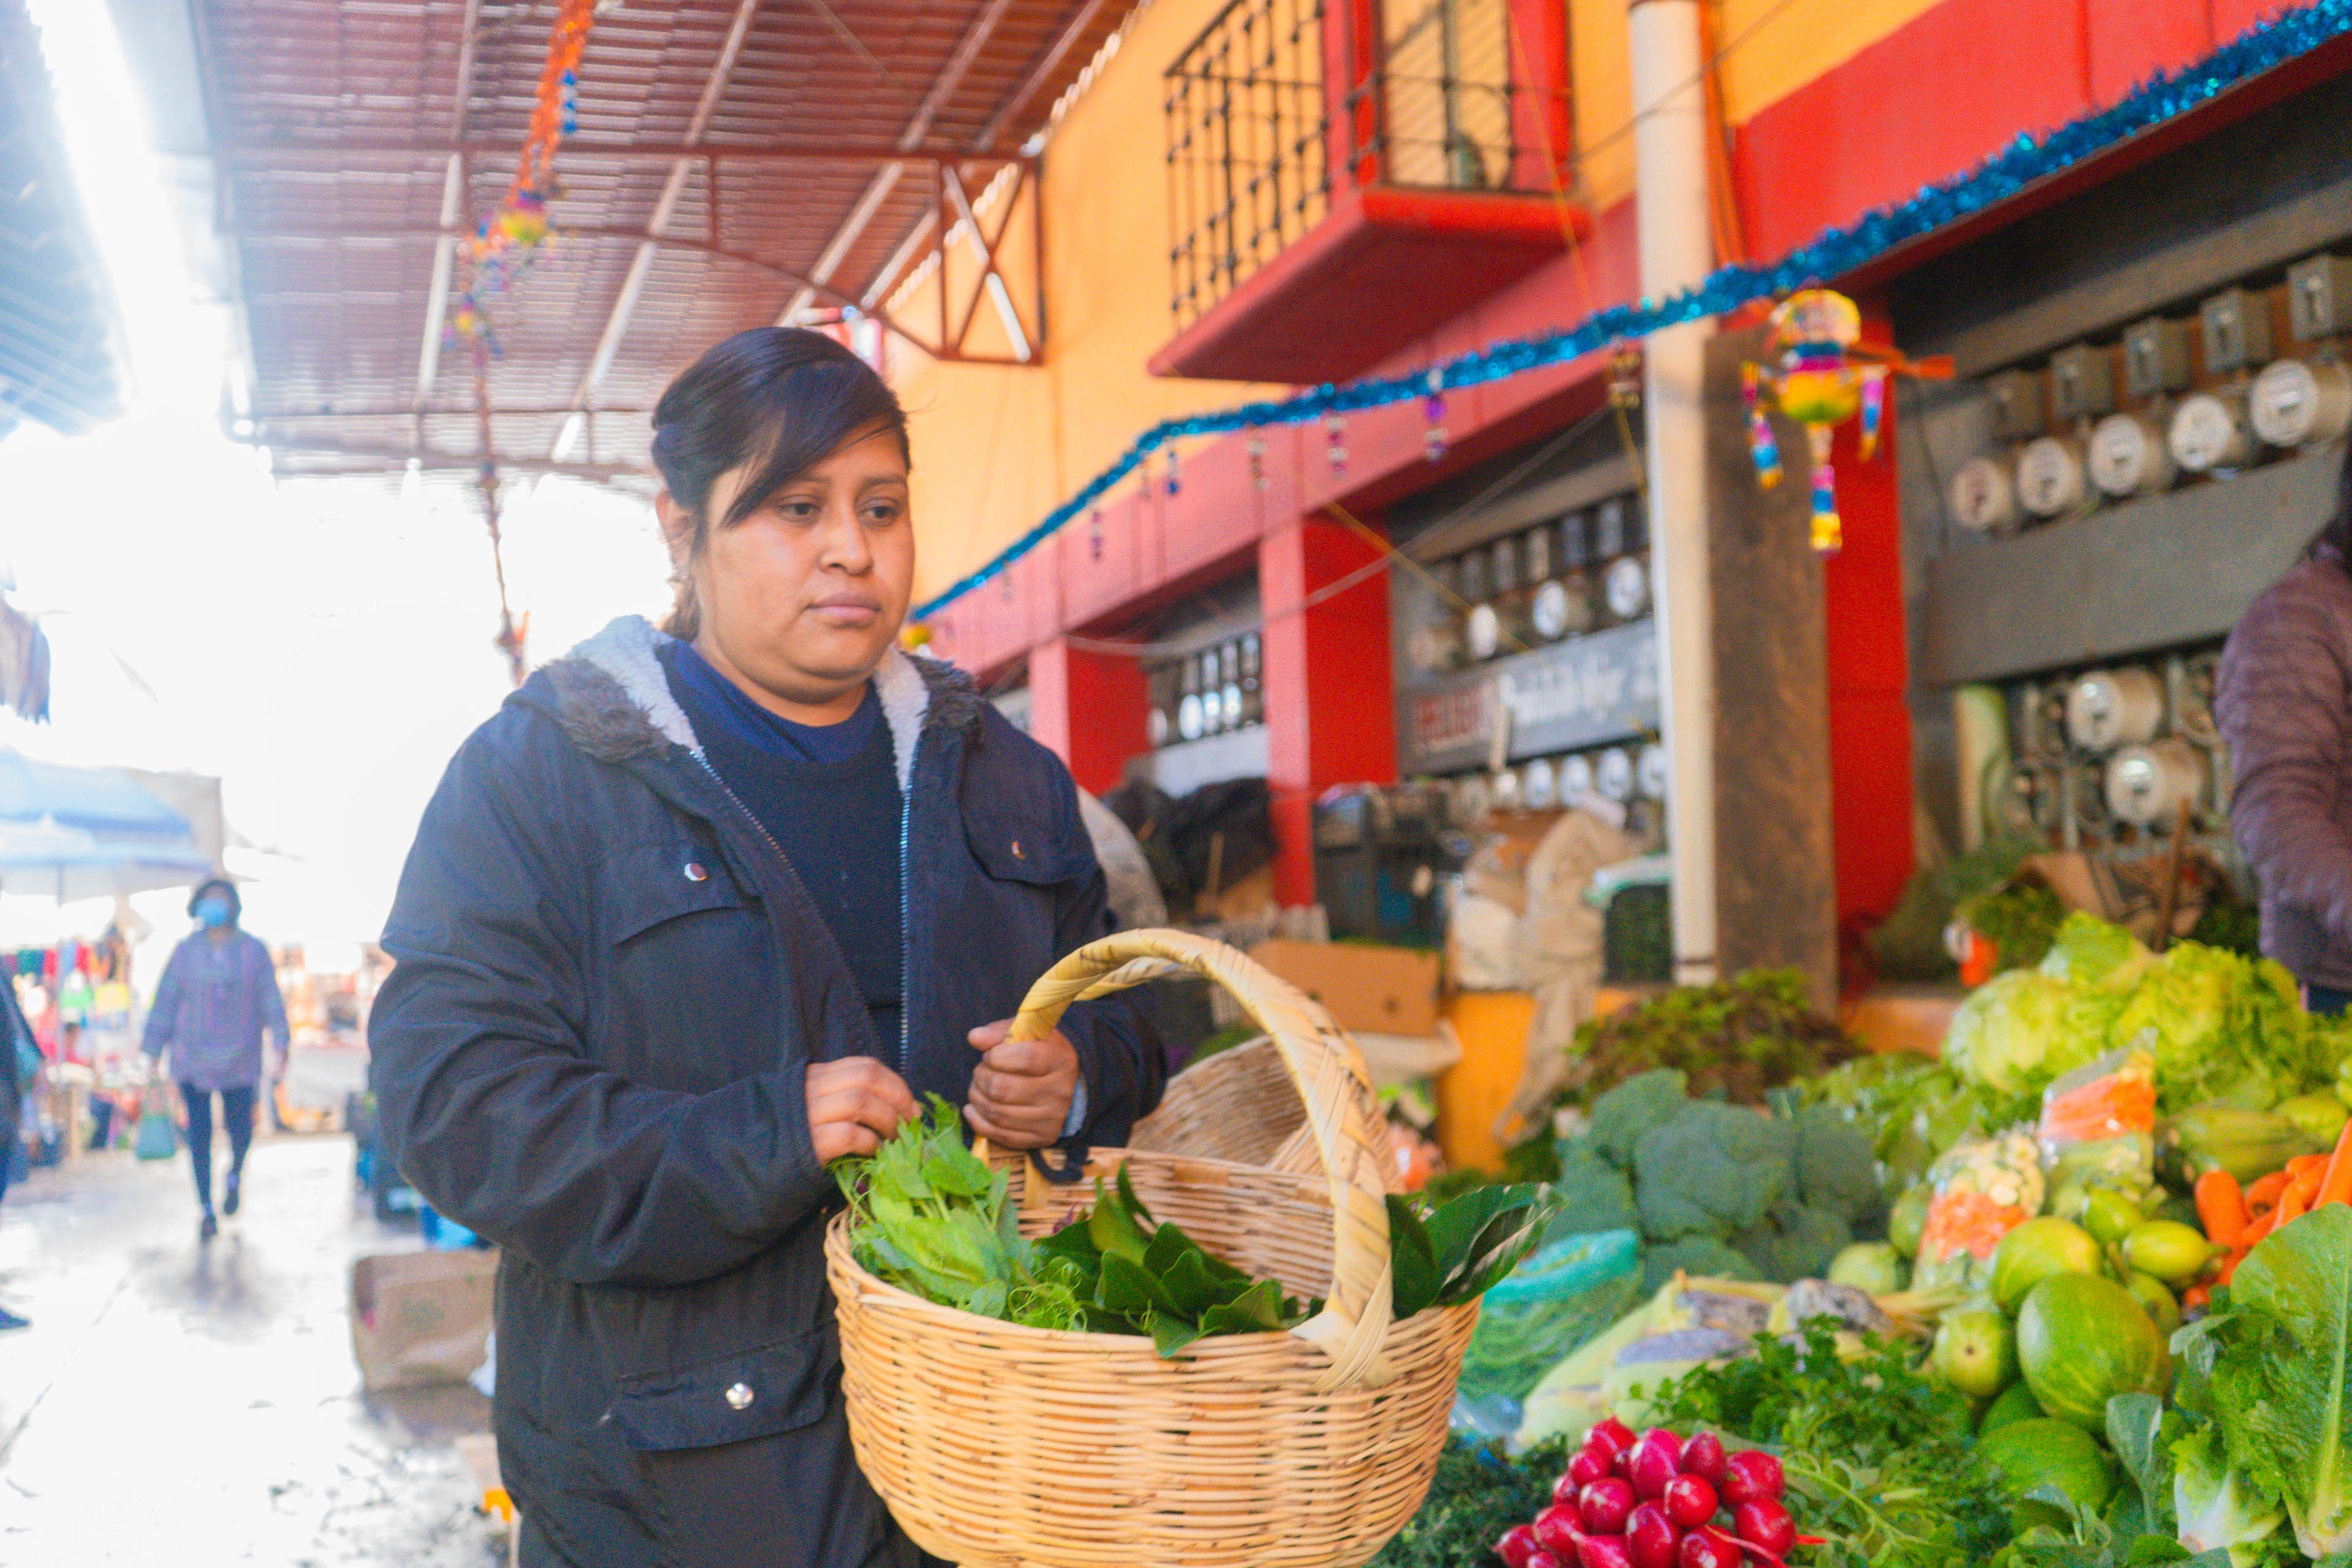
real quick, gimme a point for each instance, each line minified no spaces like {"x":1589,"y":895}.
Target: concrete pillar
{"x":1089,"y":710}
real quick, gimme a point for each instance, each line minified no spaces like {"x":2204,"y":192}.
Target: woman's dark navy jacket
{"x":609,"y":987}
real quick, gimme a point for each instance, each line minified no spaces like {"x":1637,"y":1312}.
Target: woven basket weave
{"x":1001,"y":1447}
{"x":1239,"y":1105}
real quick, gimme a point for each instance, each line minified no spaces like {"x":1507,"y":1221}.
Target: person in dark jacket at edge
{"x":2283,"y":701}
{"x":698,"y":911}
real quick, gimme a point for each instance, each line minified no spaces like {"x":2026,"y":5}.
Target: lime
{"x":2033,"y":1252}
{"x":2156,"y":1300}
{"x":1975,"y":1352}
{"x":2108,"y":1216}
{"x":1908,"y":1218}
{"x":1871,"y":1266}
{"x":2172,"y":1252}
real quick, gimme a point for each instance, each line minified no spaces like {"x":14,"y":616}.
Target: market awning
{"x":58,"y":346}
{"x":45,"y":859}
{"x":101,"y":801}
{"x":732,"y":163}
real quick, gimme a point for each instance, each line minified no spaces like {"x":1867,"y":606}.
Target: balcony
{"x":1344,"y":176}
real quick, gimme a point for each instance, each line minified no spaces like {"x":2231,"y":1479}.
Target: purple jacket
{"x":2284,"y":703}
{"x":211,"y":1007}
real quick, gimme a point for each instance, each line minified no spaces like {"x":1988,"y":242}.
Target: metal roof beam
{"x":625,"y":304}
{"x":832,"y":155}
{"x":436,"y":459}
{"x":453,"y":208}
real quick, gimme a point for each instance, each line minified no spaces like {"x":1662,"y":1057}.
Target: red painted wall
{"x":1089,"y":710}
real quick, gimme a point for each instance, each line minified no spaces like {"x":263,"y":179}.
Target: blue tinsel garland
{"x":1838,"y":251}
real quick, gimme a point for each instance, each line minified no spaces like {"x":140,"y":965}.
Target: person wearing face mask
{"x":697,"y":913}
{"x":215,"y":1008}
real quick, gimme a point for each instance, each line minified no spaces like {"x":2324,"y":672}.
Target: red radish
{"x":1612,"y":1437}
{"x":1543,"y":1559}
{"x":1690,"y":1502}
{"x":1751,"y":1476}
{"x":1702,"y":1458}
{"x":1650,"y":1537}
{"x":1708,"y":1547}
{"x":1767,"y":1524}
{"x":1557,"y":1531}
{"x":1603,"y":1552}
{"x":1601,"y":1507}
{"x":1585,"y":1468}
{"x":1622,"y":1465}
{"x":1518,"y":1546}
{"x":1658,"y":1459}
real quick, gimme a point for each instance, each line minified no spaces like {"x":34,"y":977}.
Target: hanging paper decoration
{"x":1432,"y":408}
{"x":2030,"y":159}
{"x":1824,"y":375}
{"x":1334,"y":436}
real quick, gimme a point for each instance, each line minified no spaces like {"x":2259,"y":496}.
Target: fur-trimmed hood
{"x":613,"y":700}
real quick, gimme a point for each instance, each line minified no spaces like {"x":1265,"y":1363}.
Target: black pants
{"x":236,"y":1113}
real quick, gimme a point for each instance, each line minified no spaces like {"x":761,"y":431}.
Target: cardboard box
{"x":1382,"y":990}
{"x":421,"y":1318}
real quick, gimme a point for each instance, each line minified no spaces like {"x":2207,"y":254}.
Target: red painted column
{"x":1330,"y":712}
{"x":1542,"y":118}
{"x":1869,"y":673}
{"x":1352,"y":92}
{"x":1089,"y":710}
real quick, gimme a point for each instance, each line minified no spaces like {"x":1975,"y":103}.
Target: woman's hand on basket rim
{"x":1021,"y":1089}
{"x":853,"y":1105}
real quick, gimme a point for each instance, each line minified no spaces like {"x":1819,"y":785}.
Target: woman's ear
{"x":677,"y":530}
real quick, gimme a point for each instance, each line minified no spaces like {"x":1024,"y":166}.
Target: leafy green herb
{"x":1477,"y":1494}
{"x":1457,"y":1252}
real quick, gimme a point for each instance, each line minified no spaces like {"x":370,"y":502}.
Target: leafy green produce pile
{"x":1909,"y":944}
{"x":1882,"y":1456}
{"x":1916,"y":1108}
{"x":1477,"y":1494}
{"x":2019,"y":923}
{"x":1720,"y":1189}
{"x":930,"y":1216}
{"x":2222,"y":1029}
{"x":1731,"y":1041}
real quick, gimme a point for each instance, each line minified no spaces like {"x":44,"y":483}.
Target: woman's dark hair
{"x":2336,"y":532}
{"x":217,"y":885}
{"x":779,"y":399}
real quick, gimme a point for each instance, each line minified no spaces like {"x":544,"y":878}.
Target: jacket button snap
{"x":696,"y":872}
{"x":740,"y":1395}
{"x":1017,"y":854}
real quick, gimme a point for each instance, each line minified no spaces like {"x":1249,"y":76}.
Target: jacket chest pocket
{"x":1027,"y":870}
{"x":676,"y":926}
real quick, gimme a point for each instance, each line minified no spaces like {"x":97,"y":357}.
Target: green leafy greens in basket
{"x":929,"y":1216}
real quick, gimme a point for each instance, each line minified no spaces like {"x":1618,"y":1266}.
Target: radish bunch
{"x":1657,"y":1502}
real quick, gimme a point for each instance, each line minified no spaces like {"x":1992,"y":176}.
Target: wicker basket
{"x":1002,"y":1447}
{"x":1239,"y":1105}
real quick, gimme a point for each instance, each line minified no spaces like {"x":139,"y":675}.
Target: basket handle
{"x":1342,"y":1115}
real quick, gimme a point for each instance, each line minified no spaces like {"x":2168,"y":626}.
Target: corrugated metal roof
{"x":58,"y":346}
{"x":334,"y":122}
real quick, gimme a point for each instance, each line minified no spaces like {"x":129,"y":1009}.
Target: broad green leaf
{"x":1169,"y":1335}
{"x":1112,"y":1226}
{"x":988,"y":1299}
{"x":957,"y":1173}
{"x":1412,"y":1263}
{"x":1257,"y":1309}
{"x":1134,"y":1204}
{"x":2136,"y":1432}
{"x":1126,"y":1287}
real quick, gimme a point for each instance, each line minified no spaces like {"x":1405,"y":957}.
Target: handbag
{"x":158,"y":1138}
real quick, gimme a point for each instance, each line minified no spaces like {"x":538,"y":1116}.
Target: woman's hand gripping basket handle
{"x":1350,"y":1136}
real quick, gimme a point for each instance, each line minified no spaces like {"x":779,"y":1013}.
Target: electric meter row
{"x":1621,"y":774}
{"x":2174,"y":400}
{"x":1572,"y":575}
{"x":1208,"y":692}
{"x":2133,"y":745}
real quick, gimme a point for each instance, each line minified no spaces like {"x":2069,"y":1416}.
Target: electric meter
{"x":2050,"y":478}
{"x":1628,"y":587}
{"x":1484,"y":632}
{"x":1504,"y":789}
{"x":1575,"y":778}
{"x":2155,"y":357}
{"x":2018,"y":410}
{"x":2082,"y":382}
{"x":2150,"y":785}
{"x":2319,"y":298}
{"x":2237,"y":330}
{"x":1539,"y":785}
{"x":1191,"y":720}
{"x":1614,"y":774}
{"x":1560,"y":610}
{"x":2296,"y":403}
{"x":2129,"y":457}
{"x":2209,"y":431}
{"x":1651,"y":771}
{"x":1983,"y":498}
{"x":2110,"y":707}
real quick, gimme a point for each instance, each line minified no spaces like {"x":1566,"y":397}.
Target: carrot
{"x":2302,"y":1164}
{"x":2261,"y":1227}
{"x":2265,"y":1192}
{"x":2196,"y":1295}
{"x":2336,"y":1186}
{"x":2296,"y":1201}
{"x":2222,"y":1206}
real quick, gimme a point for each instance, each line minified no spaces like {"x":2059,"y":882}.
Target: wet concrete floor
{"x":191,"y":1403}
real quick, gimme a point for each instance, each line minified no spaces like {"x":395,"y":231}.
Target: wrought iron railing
{"x":1252,"y":145}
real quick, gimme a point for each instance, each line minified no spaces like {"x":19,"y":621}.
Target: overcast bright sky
{"x":322,"y":647}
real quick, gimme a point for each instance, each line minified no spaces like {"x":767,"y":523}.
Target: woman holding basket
{"x":697,"y":913}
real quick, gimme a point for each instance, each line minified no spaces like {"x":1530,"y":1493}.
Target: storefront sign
{"x":1582,"y":692}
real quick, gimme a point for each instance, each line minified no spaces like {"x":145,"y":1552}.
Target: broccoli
{"x":1836,"y":1171}
{"x":1794,"y":1243}
{"x":1622,"y":1115}
{"x":1701,"y":1258}
{"x":1714,"y":1169}
{"x":1592,"y":1195}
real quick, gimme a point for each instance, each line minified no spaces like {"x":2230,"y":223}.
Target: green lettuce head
{"x":2020,"y":1030}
